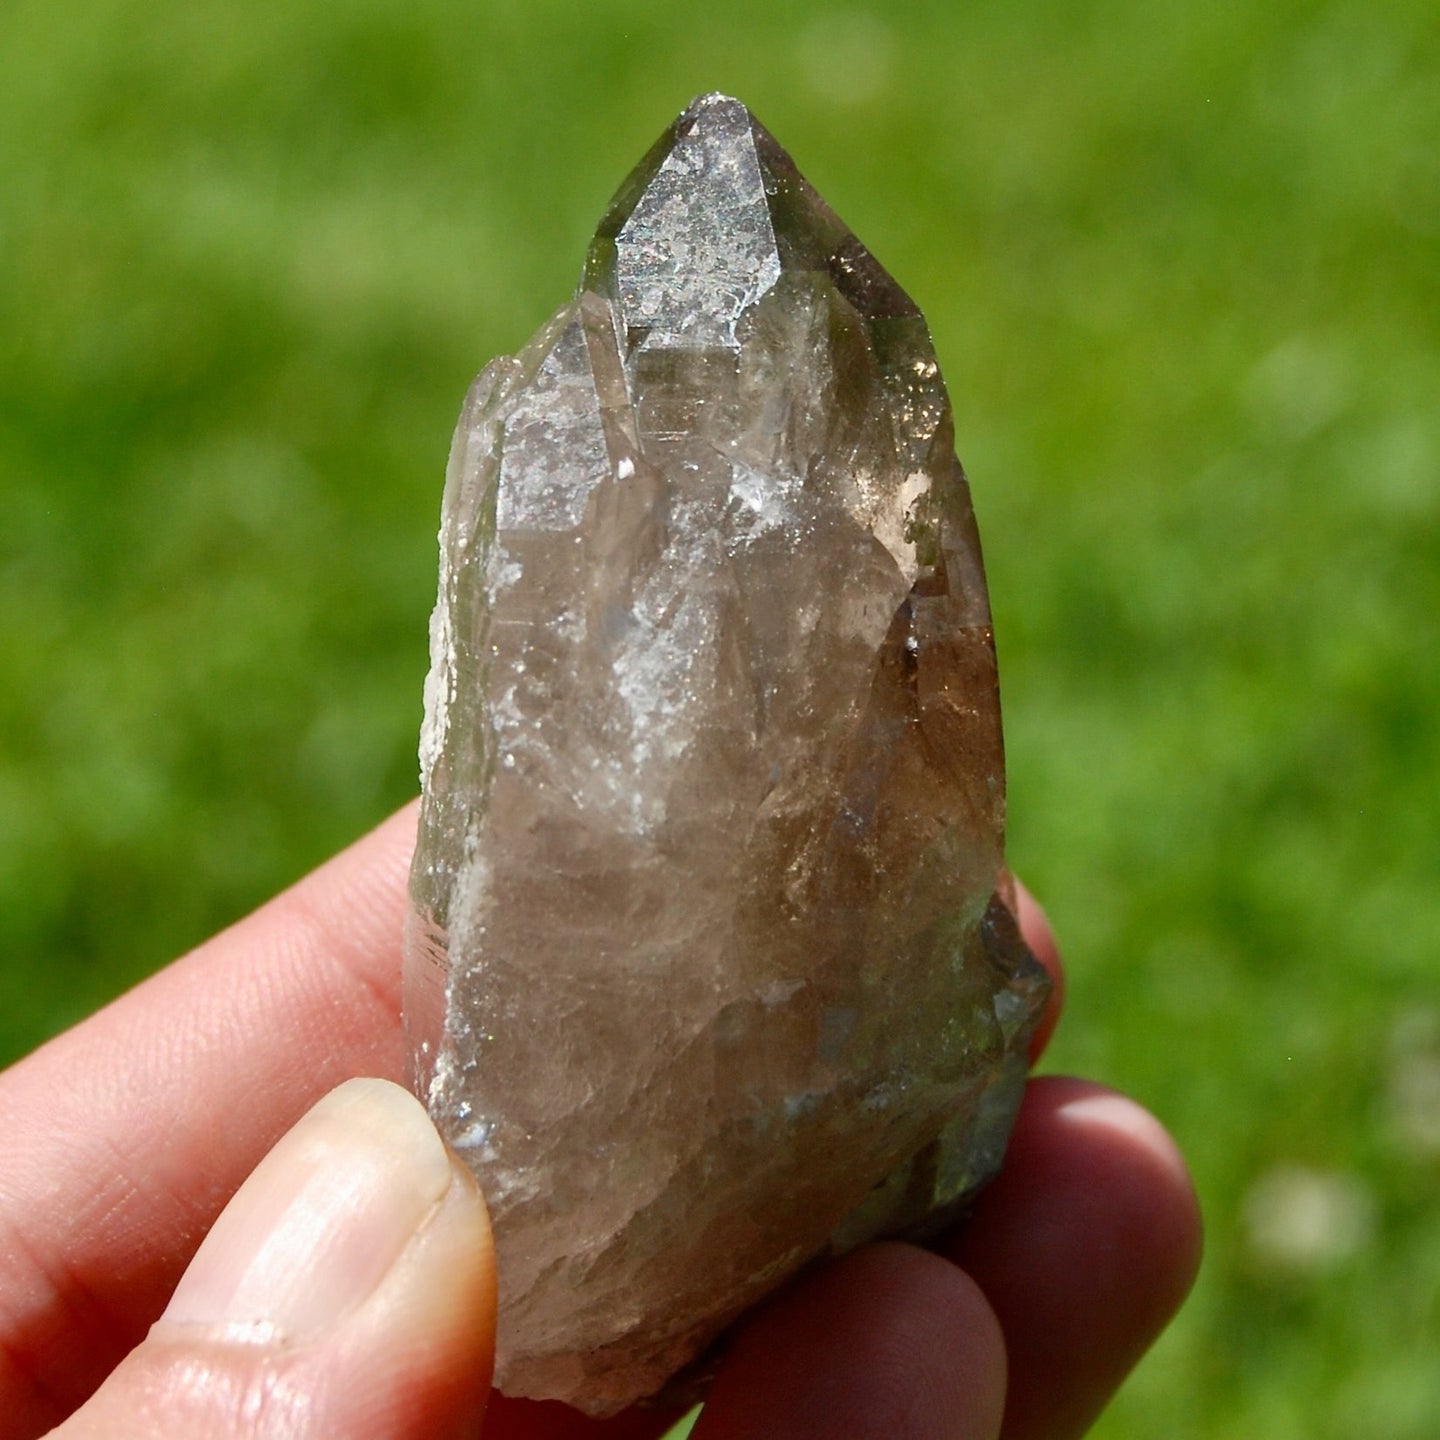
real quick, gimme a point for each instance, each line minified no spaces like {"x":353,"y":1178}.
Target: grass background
{"x":1182,"y":263}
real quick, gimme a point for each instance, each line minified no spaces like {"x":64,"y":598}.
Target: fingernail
{"x":317,"y":1226}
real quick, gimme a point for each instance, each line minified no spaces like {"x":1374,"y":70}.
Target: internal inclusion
{"x":710,"y":966}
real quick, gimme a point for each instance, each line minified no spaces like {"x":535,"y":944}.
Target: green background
{"x":1182,"y":263}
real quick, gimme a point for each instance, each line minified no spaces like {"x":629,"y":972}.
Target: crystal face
{"x":710,"y":968}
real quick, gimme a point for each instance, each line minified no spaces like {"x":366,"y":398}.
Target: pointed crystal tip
{"x":688,"y":246}
{"x":704,"y":227}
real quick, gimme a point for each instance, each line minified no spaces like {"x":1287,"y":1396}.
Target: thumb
{"x":346,"y":1291}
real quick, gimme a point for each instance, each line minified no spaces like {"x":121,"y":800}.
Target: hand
{"x":346,"y":1291}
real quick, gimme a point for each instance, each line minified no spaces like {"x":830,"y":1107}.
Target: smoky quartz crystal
{"x":711,"y":968}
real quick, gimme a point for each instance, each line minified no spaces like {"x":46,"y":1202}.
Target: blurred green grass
{"x":1182,"y":263}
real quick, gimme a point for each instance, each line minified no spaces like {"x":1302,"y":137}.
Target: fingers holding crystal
{"x":125,"y":1136}
{"x":347,"y":1291}
{"x":890,"y":1340}
{"x":516,"y":1419}
{"x":1073,"y":1261}
{"x":1035,"y":927}
{"x":1085,"y":1245}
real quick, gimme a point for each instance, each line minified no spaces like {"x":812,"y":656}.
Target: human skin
{"x":123,"y":1140}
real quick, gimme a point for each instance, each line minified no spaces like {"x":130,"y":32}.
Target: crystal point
{"x":710,"y":968}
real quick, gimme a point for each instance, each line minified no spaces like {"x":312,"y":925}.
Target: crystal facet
{"x":710,"y":968}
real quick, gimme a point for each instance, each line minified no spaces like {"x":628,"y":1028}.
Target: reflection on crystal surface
{"x":706,"y":971}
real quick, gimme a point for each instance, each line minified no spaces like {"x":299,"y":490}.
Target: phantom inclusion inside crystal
{"x":711,"y":967}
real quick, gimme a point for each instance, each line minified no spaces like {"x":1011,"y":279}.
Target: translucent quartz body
{"x":707,"y":972}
